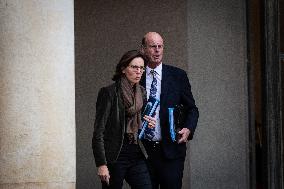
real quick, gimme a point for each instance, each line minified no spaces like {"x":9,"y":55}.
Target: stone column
{"x":37,"y":94}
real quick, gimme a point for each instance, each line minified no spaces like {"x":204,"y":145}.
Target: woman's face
{"x":134,"y":70}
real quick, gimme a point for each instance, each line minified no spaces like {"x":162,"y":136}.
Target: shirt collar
{"x":158,"y":70}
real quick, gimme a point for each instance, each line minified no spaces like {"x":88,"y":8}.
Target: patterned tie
{"x":149,"y":132}
{"x":153,"y":89}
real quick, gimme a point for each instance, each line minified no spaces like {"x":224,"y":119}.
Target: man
{"x":171,"y":86}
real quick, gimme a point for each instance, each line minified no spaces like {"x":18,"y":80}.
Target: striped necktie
{"x":153,"y":89}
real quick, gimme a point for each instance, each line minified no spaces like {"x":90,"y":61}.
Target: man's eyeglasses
{"x":156,"y":46}
{"x":135,"y":67}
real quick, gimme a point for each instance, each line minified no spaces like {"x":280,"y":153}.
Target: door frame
{"x":271,"y":99}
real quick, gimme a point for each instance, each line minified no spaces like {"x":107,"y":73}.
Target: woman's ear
{"x":123,"y":70}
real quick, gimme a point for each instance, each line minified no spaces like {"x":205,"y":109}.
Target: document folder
{"x":149,"y":110}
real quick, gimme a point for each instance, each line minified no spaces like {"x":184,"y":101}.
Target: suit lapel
{"x":120,"y":106}
{"x":143,"y":80}
{"x":164,"y":85}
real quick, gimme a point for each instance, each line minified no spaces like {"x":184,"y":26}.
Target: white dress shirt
{"x":149,"y":79}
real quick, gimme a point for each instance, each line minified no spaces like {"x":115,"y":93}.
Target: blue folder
{"x":149,"y":110}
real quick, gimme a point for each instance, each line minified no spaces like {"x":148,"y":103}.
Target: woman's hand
{"x":151,"y":121}
{"x":104,"y":173}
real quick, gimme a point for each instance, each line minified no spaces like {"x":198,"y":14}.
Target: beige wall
{"x":218,"y":64}
{"x":37,"y":95}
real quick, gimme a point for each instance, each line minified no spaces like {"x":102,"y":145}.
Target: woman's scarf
{"x":133,"y":102}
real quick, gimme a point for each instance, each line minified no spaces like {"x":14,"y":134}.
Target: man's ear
{"x":142,"y":49}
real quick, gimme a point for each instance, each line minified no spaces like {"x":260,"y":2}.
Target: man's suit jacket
{"x":175,"y":90}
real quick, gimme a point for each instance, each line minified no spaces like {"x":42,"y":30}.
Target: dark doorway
{"x":265,"y":47}
{"x":255,"y":67}
{"x":281,"y":22}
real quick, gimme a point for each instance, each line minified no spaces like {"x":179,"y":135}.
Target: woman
{"x":118,"y":153}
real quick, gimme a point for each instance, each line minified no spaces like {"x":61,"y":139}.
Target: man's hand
{"x":104,"y":173}
{"x":184,"y":133}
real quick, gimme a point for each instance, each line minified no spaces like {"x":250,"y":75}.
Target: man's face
{"x":154,"y":49}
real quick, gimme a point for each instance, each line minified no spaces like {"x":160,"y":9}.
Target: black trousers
{"x":165,"y":173}
{"x":131,"y":166}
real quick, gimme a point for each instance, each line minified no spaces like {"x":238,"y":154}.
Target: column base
{"x":49,"y":185}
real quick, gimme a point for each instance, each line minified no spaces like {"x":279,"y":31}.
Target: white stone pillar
{"x":37,"y":94}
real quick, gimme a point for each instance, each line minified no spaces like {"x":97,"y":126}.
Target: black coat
{"x":109,"y":127}
{"x":175,"y":90}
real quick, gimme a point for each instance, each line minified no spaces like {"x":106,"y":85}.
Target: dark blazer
{"x":175,"y":90}
{"x":109,"y":127}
